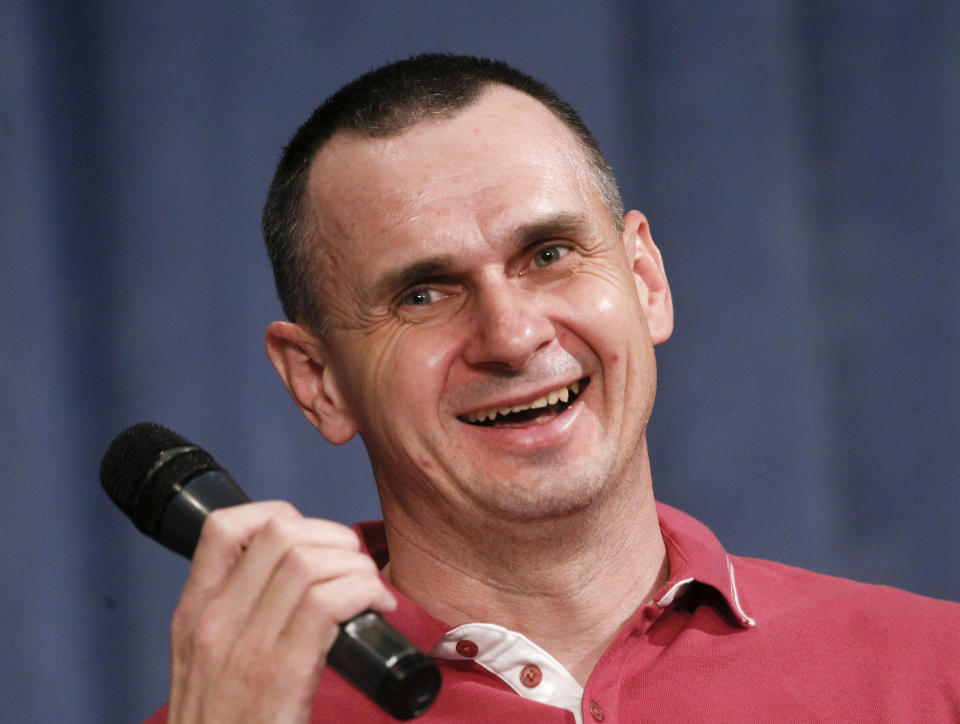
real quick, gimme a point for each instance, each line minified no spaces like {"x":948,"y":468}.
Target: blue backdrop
{"x":799,"y":162}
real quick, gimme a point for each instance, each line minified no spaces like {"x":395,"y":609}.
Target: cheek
{"x":603,"y":311}
{"x":413,"y":369}
{"x":604,"y":305}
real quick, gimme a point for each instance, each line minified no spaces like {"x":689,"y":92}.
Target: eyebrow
{"x":443,"y":265}
{"x":401,"y":278}
{"x":552,"y":225}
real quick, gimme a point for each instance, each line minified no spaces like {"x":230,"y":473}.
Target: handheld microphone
{"x":167,"y":486}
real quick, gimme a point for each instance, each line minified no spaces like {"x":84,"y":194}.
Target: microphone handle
{"x":368,"y":651}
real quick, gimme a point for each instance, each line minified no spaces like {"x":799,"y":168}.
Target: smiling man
{"x":465,"y":292}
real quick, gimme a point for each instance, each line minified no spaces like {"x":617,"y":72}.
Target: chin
{"x":541,"y":500}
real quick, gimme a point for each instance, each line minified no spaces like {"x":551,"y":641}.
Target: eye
{"x":421,"y":297}
{"x":549,"y":255}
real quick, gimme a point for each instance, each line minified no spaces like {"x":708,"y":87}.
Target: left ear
{"x":303,"y":362}
{"x":649,"y":275}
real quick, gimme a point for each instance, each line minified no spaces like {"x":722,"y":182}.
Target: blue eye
{"x":549,"y":255}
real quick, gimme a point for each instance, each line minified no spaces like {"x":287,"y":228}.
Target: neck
{"x":551,"y":580}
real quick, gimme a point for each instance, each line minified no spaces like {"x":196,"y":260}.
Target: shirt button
{"x":531,"y":676}
{"x":595,"y":710}
{"x":467,"y":648}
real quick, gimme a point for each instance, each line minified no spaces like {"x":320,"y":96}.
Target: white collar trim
{"x":675,"y":590}
{"x":506,"y":654}
{"x":736,"y":596}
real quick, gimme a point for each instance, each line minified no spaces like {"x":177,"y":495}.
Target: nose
{"x":510,"y":326}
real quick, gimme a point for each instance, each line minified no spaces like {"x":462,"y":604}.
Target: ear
{"x":302,"y":362}
{"x":650,"y":276}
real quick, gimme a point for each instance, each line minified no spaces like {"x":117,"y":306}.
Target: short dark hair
{"x":383,"y":102}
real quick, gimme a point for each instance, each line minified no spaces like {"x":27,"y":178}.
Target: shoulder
{"x":837,"y":612}
{"x":868,"y":649}
{"x":769,"y":584}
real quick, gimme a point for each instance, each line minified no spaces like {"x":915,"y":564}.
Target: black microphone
{"x":167,"y":486}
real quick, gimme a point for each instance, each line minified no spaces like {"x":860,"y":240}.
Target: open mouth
{"x":552,"y":403}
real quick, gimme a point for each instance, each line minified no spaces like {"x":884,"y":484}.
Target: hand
{"x":260,"y":610}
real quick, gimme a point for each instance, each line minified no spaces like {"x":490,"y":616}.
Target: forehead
{"x":501,"y":162}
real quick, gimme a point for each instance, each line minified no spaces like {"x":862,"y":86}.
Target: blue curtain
{"x":799,"y":163}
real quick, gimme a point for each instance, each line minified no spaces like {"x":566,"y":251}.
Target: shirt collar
{"x":695,"y":555}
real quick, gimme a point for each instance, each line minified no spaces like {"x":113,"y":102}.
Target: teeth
{"x":551,"y":398}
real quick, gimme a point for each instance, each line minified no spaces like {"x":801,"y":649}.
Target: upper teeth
{"x":551,"y":398}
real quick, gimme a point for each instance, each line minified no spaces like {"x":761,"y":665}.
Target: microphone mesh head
{"x":143,"y":469}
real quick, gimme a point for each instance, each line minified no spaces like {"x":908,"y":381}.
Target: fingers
{"x":260,"y":610}
{"x":328,"y":587}
{"x":286,"y":539}
{"x":334,"y":596}
{"x":240,"y":546}
{"x":228,"y":532}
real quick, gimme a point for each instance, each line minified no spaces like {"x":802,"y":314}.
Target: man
{"x":466,"y":293}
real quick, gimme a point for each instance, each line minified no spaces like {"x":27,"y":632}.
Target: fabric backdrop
{"x":799,"y":163}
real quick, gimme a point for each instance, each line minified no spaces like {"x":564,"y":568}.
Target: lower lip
{"x":538,"y":434}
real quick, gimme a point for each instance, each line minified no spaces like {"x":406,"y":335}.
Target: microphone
{"x":167,"y":486}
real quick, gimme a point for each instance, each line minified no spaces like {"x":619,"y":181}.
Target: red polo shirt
{"x":726,"y":639}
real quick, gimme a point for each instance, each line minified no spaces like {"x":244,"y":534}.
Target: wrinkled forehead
{"x":494,"y":164}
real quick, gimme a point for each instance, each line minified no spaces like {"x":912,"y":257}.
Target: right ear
{"x":303,"y":364}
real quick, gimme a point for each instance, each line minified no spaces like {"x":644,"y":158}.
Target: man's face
{"x":486,"y":336}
